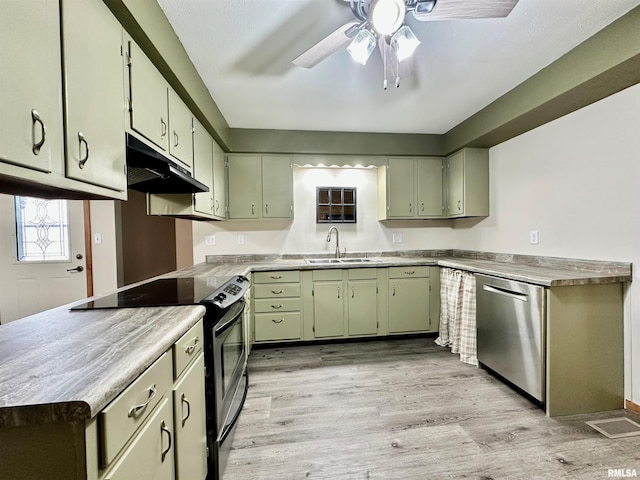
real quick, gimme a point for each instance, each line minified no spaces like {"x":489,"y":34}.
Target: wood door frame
{"x":86,"y":206}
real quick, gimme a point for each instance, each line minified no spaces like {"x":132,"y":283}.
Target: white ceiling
{"x":243,"y":51}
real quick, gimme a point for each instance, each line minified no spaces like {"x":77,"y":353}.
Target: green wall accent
{"x":602,"y":65}
{"x":334,"y":143}
{"x":146,"y":23}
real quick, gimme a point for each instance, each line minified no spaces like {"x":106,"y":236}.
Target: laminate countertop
{"x":63,"y":365}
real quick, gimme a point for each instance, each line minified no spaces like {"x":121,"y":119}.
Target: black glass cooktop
{"x":159,"y":293}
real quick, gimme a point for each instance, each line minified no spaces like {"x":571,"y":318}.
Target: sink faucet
{"x":334,"y":229}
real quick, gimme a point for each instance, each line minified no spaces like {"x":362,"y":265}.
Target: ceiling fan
{"x":382,"y":23}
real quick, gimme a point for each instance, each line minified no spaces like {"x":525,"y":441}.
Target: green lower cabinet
{"x":328,"y":309}
{"x":409,"y":305}
{"x":278,"y":326}
{"x":363,"y":307}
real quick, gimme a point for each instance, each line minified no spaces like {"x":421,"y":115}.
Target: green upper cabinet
{"x":203,"y":168}
{"x":219,"y":183}
{"x":149,"y":113}
{"x":94,"y":94}
{"x":467,"y":175}
{"x":30,"y":85}
{"x":260,"y":186}
{"x":410,"y":188}
{"x":181,"y":128}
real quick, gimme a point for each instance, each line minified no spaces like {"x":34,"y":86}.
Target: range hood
{"x":149,"y":171}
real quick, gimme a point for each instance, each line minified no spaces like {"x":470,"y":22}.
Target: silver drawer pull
{"x":190,"y":348}
{"x":277,"y":306}
{"x":184,"y":401}
{"x":410,"y":273}
{"x":276,"y":277}
{"x":133,"y":411}
{"x":164,"y":429}
{"x":277,"y":292}
{"x":277,"y":320}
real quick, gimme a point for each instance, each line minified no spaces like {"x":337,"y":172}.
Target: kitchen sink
{"x":329,"y":261}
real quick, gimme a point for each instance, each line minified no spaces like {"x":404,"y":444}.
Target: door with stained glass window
{"x":42,"y":255}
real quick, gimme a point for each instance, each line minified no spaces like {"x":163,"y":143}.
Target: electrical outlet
{"x":97,"y":238}
{"x":210,"y":240}
{"x":534,"y":239}
{"x":240,"y":239}
{"x":397,"y":238}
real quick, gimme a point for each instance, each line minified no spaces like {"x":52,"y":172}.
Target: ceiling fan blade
{"x":327,"y":46}
{"x":467,"y":9}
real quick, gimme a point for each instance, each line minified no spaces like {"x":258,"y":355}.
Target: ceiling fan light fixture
{"x":362,"y":46}
{"x":404,"y":42}
{"x":387,"y":16}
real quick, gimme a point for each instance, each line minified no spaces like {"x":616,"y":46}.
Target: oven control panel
{"x":230,"y":292}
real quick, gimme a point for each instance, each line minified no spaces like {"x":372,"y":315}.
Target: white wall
{"x":577,"y":181}
{"x":105,"y":268}
{"x":304,"y":235}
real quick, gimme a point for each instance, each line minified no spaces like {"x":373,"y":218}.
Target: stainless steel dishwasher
{"x":511,"y":331}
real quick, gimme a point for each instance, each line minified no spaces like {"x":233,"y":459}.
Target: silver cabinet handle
{"x":184,"y":401}
{"x":460,"y":205}
{"x":422,"y":206}
{"x":163,"y":126}
{"x":338,"y":292}
{"x":266,"y":208}
{"x":353,"y":292}
{"x":84,"y":159}
{"x":190,"y":348}
{"x":410,"y":208}
{"x":253,"y":209}
{"x":394,"y":292}
{"x":217,"y":205}
{"x":176,"y":139}
{"x":35,"y":119}
{"x":79,"y":268}
{"x":133,"y":411}
{"x":164,"y":429}
{"x":277,"y":306}
{"x":277,"y":292}
{"x":277,"y":320}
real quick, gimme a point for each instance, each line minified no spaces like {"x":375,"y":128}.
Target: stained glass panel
{"x":42,"y":229}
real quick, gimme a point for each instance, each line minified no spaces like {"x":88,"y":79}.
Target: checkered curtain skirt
{"x":458,"y":314}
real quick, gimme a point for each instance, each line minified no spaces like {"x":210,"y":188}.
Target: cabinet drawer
{"x":409,"y":272}
{"x":151,"y":455}
{"x":277,"y":305}
{"x":363,"y":274}
{"x":273,"y":326}
{"x":187,"y":348}
{"x":329,"y":274}
{"x":286,"y":276}
{"x":122,"y":417}
{"x":277,"y":290}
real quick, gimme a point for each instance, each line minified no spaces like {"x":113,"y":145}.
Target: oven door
{"x":230,"y":379}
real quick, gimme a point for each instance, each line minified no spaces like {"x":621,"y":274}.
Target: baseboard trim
{"x":634,"y":407}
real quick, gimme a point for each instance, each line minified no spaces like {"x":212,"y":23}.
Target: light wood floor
{"x":405,"y":409}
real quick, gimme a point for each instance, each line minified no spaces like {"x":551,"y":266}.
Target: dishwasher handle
{"x":523,"y":297}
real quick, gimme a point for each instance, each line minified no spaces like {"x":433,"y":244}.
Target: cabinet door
{"x":30,"y":84}
{"x":219,"y":183}
{"x":150,"y":456}
{"x":245,"y":192}
{"x":455,"y":183}
{"x":190,"y":424}
{"x":203,"y":167}
{"x":409,"y":305}
{"x":277,"y":183}
{"x":363,"y":307}
{"x":328,"y":309}
{"x":181,"y":127}
{"x":401,"y":194}
{"x":94,"y":94}
{"x":429,"y":196}
{"x":148,"y":98}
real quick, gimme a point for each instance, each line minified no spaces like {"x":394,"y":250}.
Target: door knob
{"x":79,"y":256}
{"x":77,"y":269}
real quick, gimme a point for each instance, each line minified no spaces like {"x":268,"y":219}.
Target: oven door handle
{"x":228,"y":427}
{"x":221,"y":327}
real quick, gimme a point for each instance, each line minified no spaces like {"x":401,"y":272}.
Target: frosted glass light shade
{"x":404,"y":43}
{"x":387,"y":16}
{"x":362,"y":46}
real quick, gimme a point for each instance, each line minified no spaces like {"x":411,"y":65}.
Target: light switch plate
{"x":210,"y":240}
{"x":397,"y":238}
{"x":534,"y":239}
{"x":240,"y":239}
{"x":97,"y":238}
